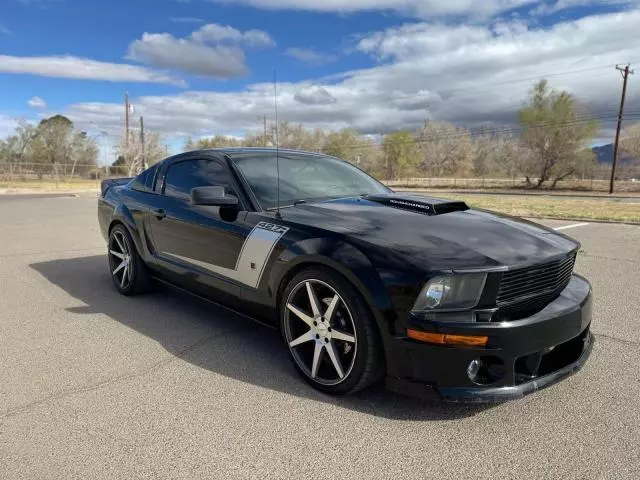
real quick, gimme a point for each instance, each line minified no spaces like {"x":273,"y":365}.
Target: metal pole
{"x":264,"y":139}
{"x":142,"y":145}
{"x":625,"y":76}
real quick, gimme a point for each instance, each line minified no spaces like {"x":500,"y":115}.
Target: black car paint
{"x":386,"y":253}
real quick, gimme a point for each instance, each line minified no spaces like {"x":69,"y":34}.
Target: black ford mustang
{"x":365,"y":284}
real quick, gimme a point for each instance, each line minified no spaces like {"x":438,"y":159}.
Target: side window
{"x":183,"y":176}
{"x":149,"y":181}
{"x":144,"y":181}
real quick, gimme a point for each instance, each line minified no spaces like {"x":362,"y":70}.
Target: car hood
{"x":395,"y":232}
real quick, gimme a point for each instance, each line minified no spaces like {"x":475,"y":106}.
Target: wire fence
{"x":42,"y":175}
{"x":513,"y":183}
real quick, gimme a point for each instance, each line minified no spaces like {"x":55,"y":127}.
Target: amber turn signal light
{"x":444,"y":339}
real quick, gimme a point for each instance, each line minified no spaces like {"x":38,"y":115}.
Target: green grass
{"x":534,"y":206}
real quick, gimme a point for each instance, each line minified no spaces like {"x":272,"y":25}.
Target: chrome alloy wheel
{"x":120,"y":260}
{"x":323,"y":343}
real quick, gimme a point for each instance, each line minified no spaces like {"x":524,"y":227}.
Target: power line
{"x":463,"y":132}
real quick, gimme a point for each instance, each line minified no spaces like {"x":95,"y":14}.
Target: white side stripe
{"x":253,"y":258}
{"x":575,"y":225}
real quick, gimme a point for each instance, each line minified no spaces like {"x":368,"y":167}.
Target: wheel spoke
{"x":122,"y":249}
{"x":117,"y":254}
{"x":334,"y":359}
{"x":337,"y":335}
{"x":124,"y":276}
{"x":316,"y":360}
{"x":331,"y":308}
{"x":120,"y":267}
{"x":300,"y":314}
{"x":313,"y":300}
{"x":307,"y":337}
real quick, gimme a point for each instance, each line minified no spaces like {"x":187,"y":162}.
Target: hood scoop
{"x":419,"y":204}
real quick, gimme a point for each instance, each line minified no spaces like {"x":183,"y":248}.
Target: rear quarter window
{"x":145,"y":181}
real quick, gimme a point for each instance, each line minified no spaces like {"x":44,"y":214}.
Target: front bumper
{"x":535,"y":352}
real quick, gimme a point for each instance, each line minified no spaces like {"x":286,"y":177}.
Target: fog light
{"x":473,"y":369}
{"x":485,"y":370}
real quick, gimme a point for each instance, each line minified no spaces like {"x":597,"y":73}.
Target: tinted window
{"x":144,"y":181}
{"x":303,"y":177}
{"x":183,"y":176}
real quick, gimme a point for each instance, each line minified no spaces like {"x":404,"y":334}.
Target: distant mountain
{"x":604,"y":154}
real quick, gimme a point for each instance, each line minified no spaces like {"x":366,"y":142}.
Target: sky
{"x":204,"y":67}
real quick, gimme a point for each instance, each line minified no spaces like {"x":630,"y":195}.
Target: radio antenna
{"x":275,"y":104}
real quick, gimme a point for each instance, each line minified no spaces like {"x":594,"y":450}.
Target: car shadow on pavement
{"x":225,"y":343}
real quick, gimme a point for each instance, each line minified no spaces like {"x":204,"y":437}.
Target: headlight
{"x":451,"y":292}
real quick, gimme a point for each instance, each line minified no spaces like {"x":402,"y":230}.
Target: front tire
{"x":332,"y":337}
{"x":128,"y":272}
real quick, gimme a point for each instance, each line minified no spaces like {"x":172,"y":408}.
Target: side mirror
{"x":212,"y":197}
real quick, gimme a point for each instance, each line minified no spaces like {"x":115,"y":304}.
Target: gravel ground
{"x":95,"y":385}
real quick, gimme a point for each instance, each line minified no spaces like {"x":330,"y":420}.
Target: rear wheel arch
{"x":123,"y":216}
{"x":122,"y":251}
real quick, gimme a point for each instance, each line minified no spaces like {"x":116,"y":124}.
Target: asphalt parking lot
{"x":95,"y":385}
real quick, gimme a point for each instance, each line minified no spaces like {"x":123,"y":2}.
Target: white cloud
{"x":163,"y":50}
{"x":419,"y":8}
{"x":214,"y":33}
{"x":314,"y":95}
{"x":470,"y":75}
{"x":432,"y":9}
{"x":310,"y":56}
{"x":212,"y":51}
{"x":187,"y":20}
{"x":82,"y":68}
{"x":552,"y":6}
{"x":37,"y":102}
{"x":4,"y":30}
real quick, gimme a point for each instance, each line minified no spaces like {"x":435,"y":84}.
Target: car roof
{"x":231,"y":151}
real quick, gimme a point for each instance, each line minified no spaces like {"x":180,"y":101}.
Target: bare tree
{"x":349,"y":145}
{"x":15,"y":150}
{"x":556,"y":130}
{"x":400,"y":152}
{"x":135,"y":158}
{"x":630,"y":141}
{"x":444,"y":149}
{"x":84,"y":152}
{"x":217,"y":141}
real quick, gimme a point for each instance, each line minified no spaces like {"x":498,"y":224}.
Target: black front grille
{"x":526,"y":290}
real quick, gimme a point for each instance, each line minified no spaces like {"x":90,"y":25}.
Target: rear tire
{"x":129,"y":273}
{"x":332,"y":337}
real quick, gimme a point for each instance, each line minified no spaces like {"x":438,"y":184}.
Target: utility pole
{"x":126,"y":121}
{"x":142,"y":145}
{"x":264,"y":139}
{"x":625,"y":75}
{"x":106,"y":146}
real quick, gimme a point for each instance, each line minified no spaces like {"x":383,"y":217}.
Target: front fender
{"x":347,"y":260}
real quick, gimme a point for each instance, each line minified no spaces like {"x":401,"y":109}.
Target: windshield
{"x":303,"y":177}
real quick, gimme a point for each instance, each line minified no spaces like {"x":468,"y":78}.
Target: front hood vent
{"x":419,"y":204}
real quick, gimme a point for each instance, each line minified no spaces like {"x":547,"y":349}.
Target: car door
{"x":197,"y":246}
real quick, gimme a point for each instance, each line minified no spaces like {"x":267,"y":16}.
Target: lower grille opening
{"x":540,"y":364}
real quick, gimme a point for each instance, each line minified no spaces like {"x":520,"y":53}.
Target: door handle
{"x":159,"y":213}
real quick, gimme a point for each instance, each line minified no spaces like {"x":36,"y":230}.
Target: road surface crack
{"x":620,"y":340}
{"x":110,"y":381}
